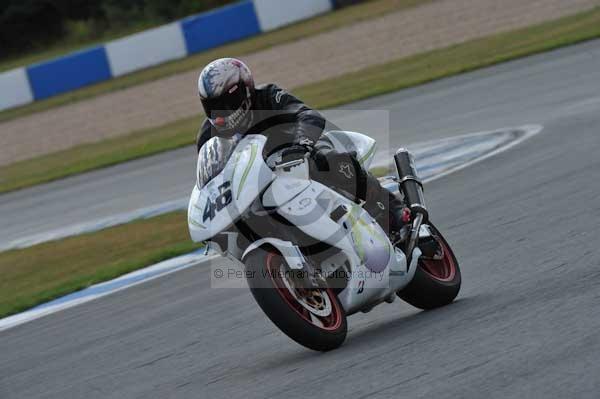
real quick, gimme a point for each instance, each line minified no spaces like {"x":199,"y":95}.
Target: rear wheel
{"x":437,"y":281}
{"x":313,"y":318}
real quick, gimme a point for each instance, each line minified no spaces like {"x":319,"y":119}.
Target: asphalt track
{"x":528,"y":91}
{"x":524,"y":225}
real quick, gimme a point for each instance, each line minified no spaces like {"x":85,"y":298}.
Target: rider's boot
{"x":394,"y":217}
{"x":384,"y":206}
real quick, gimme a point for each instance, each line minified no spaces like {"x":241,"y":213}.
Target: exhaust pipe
{"x":411,"y":186}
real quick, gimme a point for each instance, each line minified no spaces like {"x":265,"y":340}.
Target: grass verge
{"x":105,"y":153}
{"x":44,"y":272}
{"x":454,"y":60}
{"x":370,"y":82}
{"x":313,"y":26}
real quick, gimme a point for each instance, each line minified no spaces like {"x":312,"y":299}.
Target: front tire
{"x":436,"y":282}
{"x":312,"y":318}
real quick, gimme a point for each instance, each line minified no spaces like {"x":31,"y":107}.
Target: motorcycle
{"x":312,"y":255}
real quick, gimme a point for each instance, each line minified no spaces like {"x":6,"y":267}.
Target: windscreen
{"x":213,"y":157}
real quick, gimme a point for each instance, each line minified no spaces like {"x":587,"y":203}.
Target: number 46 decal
{"x":224,"y":199}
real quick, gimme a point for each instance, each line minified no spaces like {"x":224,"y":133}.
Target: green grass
{"x":351,"y":87}
{"x":343,"y":17}
{"x":47,"y":271}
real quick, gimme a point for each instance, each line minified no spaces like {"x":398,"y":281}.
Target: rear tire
{"x":279,"y":304}
{"x":436,"y":282}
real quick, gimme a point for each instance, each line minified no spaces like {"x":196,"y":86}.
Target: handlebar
{"x":290,"y":164}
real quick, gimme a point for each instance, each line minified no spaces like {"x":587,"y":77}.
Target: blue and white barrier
{"x":152,"y":47}
{"x":223,"y":25}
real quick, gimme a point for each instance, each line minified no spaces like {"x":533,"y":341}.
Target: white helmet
{"x":226,"y":89}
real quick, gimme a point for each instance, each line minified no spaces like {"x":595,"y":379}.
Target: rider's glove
{"x":305,"y":142}
{"x":327,"y":159}
{"x":293,"y":153}
{"x":298,"y":150}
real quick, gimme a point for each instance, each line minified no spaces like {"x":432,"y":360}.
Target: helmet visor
{"x":226,"y":104}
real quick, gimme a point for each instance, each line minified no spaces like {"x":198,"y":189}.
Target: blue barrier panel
{"x":69,"y":72}
{"x":223,"y":25}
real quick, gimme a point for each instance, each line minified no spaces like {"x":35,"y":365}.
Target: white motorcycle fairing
{"x":344,"y":141}
{"x":375,"y":269}
{"x":218,"y":204}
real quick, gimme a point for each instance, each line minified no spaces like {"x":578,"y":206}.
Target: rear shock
{"x":412,"y":187}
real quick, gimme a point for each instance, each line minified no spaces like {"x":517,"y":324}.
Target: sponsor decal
{"x":253,"y":149}
{"x":306,"y":142}
{"x":278,"y":96}
{"x":361,"y":287}
{"x":304,"y":203}
{"x":346,"y":170}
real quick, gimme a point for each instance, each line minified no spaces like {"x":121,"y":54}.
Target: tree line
{"x":29,"y":24}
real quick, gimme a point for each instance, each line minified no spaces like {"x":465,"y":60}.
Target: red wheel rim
{"x":442,"y":269}
{"x":330,"y":322}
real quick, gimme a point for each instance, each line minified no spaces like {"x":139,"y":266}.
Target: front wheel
{"x":436,"y":282}
{"x":313,"y":318}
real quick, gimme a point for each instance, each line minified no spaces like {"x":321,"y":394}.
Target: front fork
{"x":413,"y":238}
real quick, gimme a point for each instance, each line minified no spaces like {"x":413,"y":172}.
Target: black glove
{"x":294,"y":152}
{"x":327,"y":160}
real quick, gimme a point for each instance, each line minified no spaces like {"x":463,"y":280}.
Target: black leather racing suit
{"x":288,"y":123}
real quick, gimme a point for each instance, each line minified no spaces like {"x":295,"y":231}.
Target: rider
{"x":233,"y":105}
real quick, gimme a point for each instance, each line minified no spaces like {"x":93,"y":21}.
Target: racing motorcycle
{"x":312,"y":255}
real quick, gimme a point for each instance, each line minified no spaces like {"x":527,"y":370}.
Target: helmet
{"x":226,"y":89}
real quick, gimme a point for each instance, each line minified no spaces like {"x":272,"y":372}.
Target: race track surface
{"x":524,"y":225}
{"x":533,"y":90}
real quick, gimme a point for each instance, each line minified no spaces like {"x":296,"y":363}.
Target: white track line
{"x":181,"y":204}
{"x":95,"y":225}
{"x":107,"y":288}
{"x":443,"y":152}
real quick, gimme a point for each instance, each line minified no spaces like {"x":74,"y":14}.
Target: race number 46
{"x":224,"y":199}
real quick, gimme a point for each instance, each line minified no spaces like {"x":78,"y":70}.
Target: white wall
{"x":144,"y":49}
{"x":273,"y":14}
{"x":14,"y":88}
